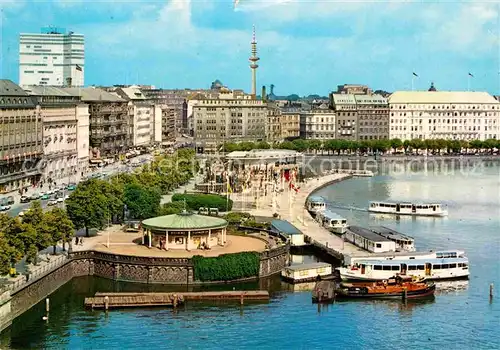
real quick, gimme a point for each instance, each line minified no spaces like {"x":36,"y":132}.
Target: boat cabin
{"x":315,"y":204}
{"x":407,"y":208}
{"x":288,"y":230}
{"x":306,"y":272}
{"x":332,"y":221}
{"x":369,"y":240}
{"x":397,"y":256}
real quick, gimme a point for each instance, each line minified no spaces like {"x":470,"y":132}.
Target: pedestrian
{"x":81,"y":241}
{"x":76,"y":240}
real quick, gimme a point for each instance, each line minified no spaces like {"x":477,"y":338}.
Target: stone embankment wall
{"x":119,"y":268}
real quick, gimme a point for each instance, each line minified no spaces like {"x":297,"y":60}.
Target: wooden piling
{"x":175,"y":301}
{"x":106,"y":302}
{"x":405,"y":293}
{"x":47,"y":305}
{"x":491,"y":291}
{"x":241,"y":299}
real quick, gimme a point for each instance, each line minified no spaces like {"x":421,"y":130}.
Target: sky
{"x":305,"y":46}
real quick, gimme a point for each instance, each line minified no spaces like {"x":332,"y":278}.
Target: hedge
{"x":197,"y":201}
{"x":226,"y":267}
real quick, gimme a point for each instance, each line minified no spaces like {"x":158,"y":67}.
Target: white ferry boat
{"x":407,"y":209}
{"x":439,"y":265}
{"x":332,"y":221}
{"x":315,"y":204}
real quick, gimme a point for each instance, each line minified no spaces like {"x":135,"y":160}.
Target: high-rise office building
{"x":53,"y":57}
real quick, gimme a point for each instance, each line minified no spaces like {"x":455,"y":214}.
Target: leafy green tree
{"x":143,"y":203}
{"x":396,"y":144}
{"x":59,"y":227}
{"x":172,"y":208}
{"x":7,"y":254}
{"x":87,"y":205}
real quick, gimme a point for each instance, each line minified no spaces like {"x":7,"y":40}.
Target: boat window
{"x":452,"y":266}
{"x":420,"y":267}
{"x":411,"y":267}
{"x":379,"y":245}
{"x":445,"y":266}
{"x":377,"y":267}
{"x":386,"y":268}
{"x":436,"y":267}
{"x":395,"y":268}
{"x":412,"y":257}
{"x":465,"y":265}
{"x":460,"y":264}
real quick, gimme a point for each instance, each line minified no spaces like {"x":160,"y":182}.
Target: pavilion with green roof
{"x":184,"y":231}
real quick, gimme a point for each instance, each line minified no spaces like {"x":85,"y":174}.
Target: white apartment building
{"x":141,"y":116}
{"x":318,"y":124}
{"x":455,"y":115}
{"x":232,"y":117}
{"x":346,"y":113}
{"x":51,"y":58}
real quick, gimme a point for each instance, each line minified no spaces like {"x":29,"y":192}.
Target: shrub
{"x":237,"y":217}
{"x":226,"y":267}
{"x":197,"y":201}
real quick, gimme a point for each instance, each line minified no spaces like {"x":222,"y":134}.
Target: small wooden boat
{"x":393,"y":288}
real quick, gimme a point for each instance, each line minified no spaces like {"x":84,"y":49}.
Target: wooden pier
{"x":103,"y":300}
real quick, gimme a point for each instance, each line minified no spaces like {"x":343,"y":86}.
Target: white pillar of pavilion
{"x":166,"y":239}
{"x":188,"y":243}
{"x":209,"y":235}
{"x":150,"y":236}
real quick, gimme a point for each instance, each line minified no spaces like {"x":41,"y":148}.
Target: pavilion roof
{"x":184,"y":222}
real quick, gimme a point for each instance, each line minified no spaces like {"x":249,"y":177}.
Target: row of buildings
{"x":353,"y":112}
{"x":51,"y":133}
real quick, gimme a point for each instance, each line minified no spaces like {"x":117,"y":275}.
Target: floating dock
{"x":103,"y":300}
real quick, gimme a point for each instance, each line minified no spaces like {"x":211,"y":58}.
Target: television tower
{"x":253,"y":64}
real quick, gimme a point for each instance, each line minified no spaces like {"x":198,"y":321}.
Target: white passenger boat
{"x":315,"y":204}
{"x":452,"y":264}
{"x":306,"y":272}
{"x":407,"y":209}
{"x":332,"y":221}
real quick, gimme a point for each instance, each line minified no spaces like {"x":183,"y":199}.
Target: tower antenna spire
{"x":253,"y":63}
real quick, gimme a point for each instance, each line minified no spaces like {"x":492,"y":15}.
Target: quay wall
{"x":116,"y":267}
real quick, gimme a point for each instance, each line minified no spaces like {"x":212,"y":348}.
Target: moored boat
{"x":393,"y":288}
{"x":402,"y":208}
{"x":315,"y":204}
{"x":332,"y":221}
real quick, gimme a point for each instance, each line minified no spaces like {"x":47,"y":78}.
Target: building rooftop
{"x":317,"y":199}
{"x":285,"y":227}
{"x":94,"y":94}
{"x":328,"y":214}
{"x":133,"y":93}
{"x":370,"y":99}
{"x":184,"y":222}
{"x":46,"y":91}
{"x":301,"y":267}
{"x":13,"y":96}
{"x":368,"y":234}
{"x":459,"y":97}
{"x":390,"y":233}
{"x":343,"y":99}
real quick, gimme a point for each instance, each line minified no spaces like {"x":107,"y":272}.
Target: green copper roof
{"x":184,"y":221}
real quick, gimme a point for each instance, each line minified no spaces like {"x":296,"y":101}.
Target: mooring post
{"x":491,"y":291}
{"x":241,"y":299}
{"x":175,"y":300}
{"x":106,"y":302}
{"x":47,"y":305}
{"x":405,"y":293}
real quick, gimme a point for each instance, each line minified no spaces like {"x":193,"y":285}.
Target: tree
{"x":142,"y":203}
{"x":172,"y":208}
{"x":87,"y":205}
{"x":35,"y":217}
{"x":7,"y":254}
{"x":60,"y":227}
{"x":396,"y":144}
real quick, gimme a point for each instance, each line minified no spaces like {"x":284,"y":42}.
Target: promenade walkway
{"x":291,"y":206}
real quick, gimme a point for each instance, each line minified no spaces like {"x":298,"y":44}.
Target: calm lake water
{"x":460,"y":317}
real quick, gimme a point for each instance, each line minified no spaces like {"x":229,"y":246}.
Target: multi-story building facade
{"x":58,"y":110}
{"x":455,"y":115}
{"x":373,"y":117}
{"x":345,"y":108}
{"x":290,"y":124}
{"x":229,"y":118}
{"x":168,"y":121}
{"x":108,"y":123}
{"x":83,"y":137}
{"x":273,"y":123}
{"x":21,"y":140}
{"x":52,"y":57}
{"x":173,"y":99}
{"x":141,"y":114}
{"x":318,"y":124}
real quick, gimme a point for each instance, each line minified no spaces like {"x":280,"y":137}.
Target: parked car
{"x":52,"y":202}
{"x":7,"y":200}
{"x":4,"y":207}
{"x":35,"y":196}
{"x":71,"y":187}
{"x":59,"y":200}
{"x":25,"y":199}
{"x":45,"y":196}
